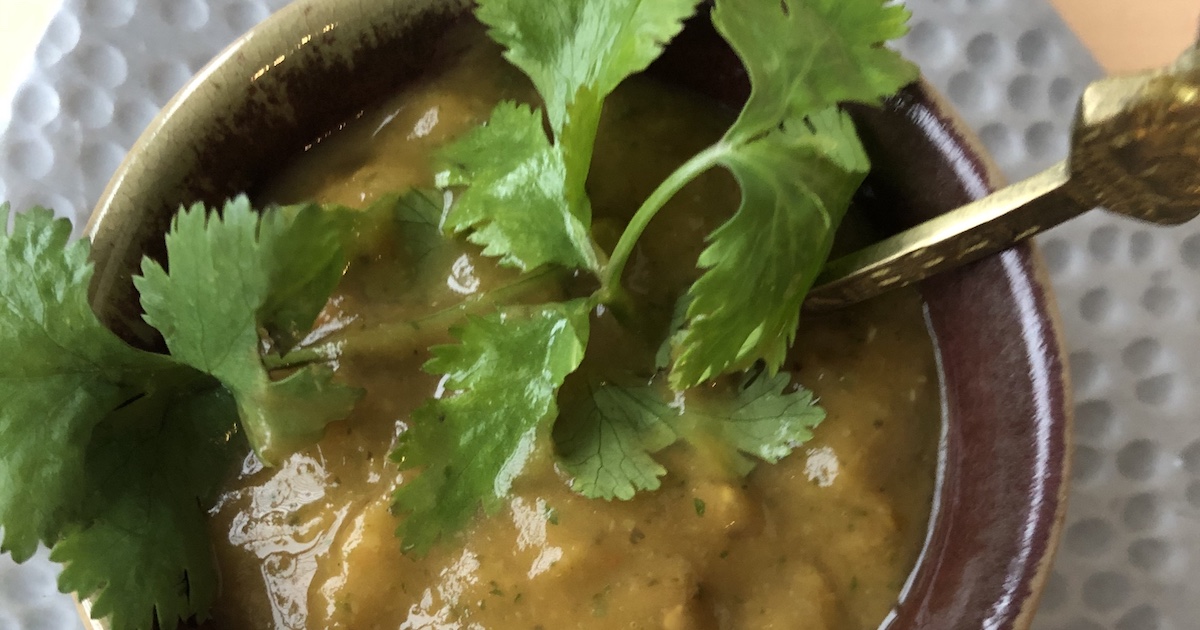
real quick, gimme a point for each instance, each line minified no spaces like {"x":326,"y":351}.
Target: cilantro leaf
{"x":75,"y":398}
{"x":606,"y":440}
{"x":515,"y":201}
{"x":577,"y":54}
{"x":144,"y":552}
{"x":798,"y":162}
{"x":226,"y":272}
{"x":761,"y":263}
{"x":526,"y":200}
{"x":805,"y":56}
{"x":62,"y":373}
{"x":298,"y":292}
{"x":419,"y":216}
{"x":500,"y":385}
{"x":764,"y":420}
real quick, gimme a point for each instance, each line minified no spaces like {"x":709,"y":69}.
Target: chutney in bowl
{"x":989,"y":413}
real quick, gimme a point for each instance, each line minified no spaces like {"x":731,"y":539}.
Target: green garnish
{"x":472,"y":444}
{"x":516,"y":201}
{"x":276,"y":272}
{"x":794,"y":154}
{"x":798,"y":162}
{"x":109,"y":454}
{"x":606,"y":441}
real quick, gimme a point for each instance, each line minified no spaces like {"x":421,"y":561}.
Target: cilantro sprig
{"x":509,"y":364}
{"x":798,"y":161}
{"x":277,"y":272}
{"x":521,"y":194}
{"x":108,"y":453}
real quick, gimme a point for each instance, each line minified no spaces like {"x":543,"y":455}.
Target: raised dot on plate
{"x":1043,"y":140}
{"x":1142,"y":355}
{"x":36,"y":104}
{"x":100,"y":160}
{"x":1087,"y":464}
{"x":1141,"y":246}
{"x":1189,"y":250}
{"x":930,"y":43}
{"x":92,"y":107}
{"x":1063,"y":94}
{"x":1149,"y":554}
{"x":1000,"y":142}
{"x":1191,"y":457}
{"x":1156,"y":390}
{"x":243,"y":15}
{"x":111,"y":13}
{"x":1102,"y":243}
{"x":31,"y":158}
{"x":165,"y":79}
{"x":61,"y":38}
{"x":1144,"y":617}
{"x":133,"y":117}
{"x":1160,"y":300}
{"x":1086,"y":370}
{"x":1022,"y":92}
{"x":1089,"y":537}
{"x":102,"y":64}
{"x":1096,"y":306}
{"x":1105,"y":590}
{"x":1142,"y":511}
{"x":1034,"y":48}
{"x":1138,"y":460}
{"x":186,"y":14}
{"x":1058,"y":255}
{"x":969,"y":92}
{"x":1093,"y":418}
{"x":983,"y":50}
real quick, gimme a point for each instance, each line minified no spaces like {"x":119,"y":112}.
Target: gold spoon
{"x":1135,"y":150}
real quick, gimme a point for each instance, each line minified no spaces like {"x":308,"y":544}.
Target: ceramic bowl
{"x":1004,"y":452}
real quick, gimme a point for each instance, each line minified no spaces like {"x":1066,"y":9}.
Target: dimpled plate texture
{"x":1129,"y":293}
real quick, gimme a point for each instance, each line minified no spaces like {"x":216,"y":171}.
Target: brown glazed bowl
{"x":1004,"y":455}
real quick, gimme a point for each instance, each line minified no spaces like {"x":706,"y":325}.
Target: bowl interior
{"x":1005,"y":447}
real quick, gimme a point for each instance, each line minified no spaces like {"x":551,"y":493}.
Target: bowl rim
{"x":249,"y":70}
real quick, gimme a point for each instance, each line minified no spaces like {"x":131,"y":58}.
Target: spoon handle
{"x":1135,"y":149}
{"x":966,"y":234}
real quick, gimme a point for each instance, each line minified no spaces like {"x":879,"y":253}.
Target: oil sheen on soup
{"x":823,"y":540}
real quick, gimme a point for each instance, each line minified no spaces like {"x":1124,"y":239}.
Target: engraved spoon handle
{"x":1135,"y":150}
{"x":956,"y":238}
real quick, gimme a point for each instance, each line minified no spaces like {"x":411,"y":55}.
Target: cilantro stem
{"x":610,"y":290}
{"x":400,"y":338}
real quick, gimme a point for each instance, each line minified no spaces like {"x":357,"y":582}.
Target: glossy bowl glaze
{"x":1004,"y":457}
